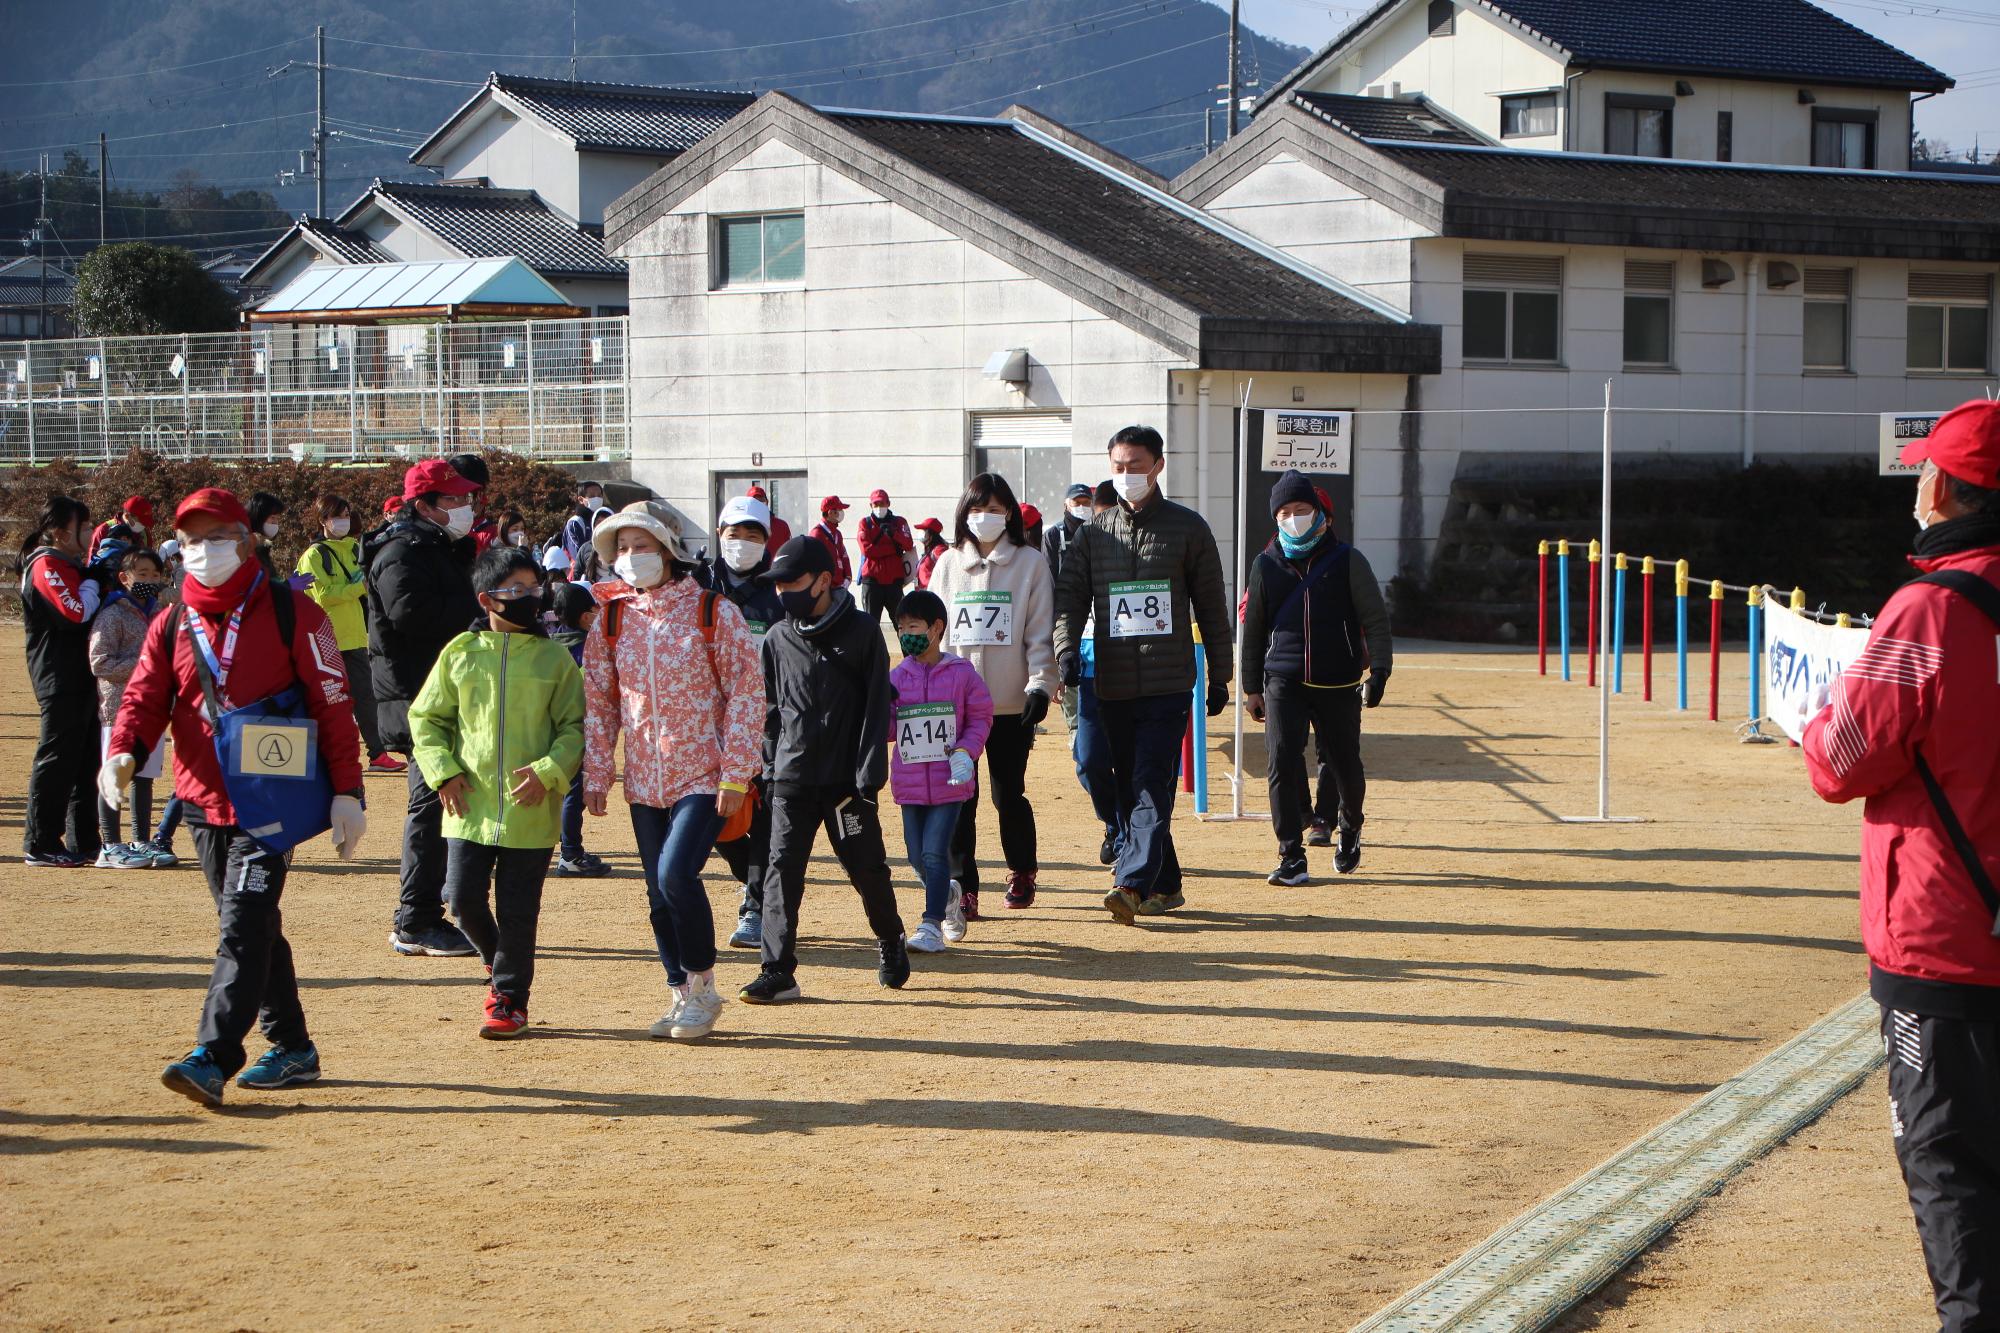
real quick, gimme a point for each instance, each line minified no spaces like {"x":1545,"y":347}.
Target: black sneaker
{"x":1319,"y":835}
{"x":1349,"y":855}
{"x":439,"y":941}
{"x":1290,"y":874}
{"x":1107,"y":852}
{"x":895,"y":968}
{"x":586,"y":866}
{"x":769,"y":987}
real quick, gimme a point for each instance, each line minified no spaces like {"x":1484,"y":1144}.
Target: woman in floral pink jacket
{"x":676,"y":669}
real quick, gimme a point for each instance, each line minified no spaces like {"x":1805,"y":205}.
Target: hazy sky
{"x":1961,"y":38}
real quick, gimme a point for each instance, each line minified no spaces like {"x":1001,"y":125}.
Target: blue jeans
{"x":673,"y":846}
{"x":1092,"y":748}
{"x":1145,"y":738}
{"x":927,"y":831}
{"x":170,"y":820}
{"x":572,"y":820}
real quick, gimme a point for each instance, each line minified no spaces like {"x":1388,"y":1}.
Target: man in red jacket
{"x":226,"y":589}
{"x":827,"y":533}
{"x":781,"y":531}
{"x":1914,"y":727}
{"x":885,"y":543}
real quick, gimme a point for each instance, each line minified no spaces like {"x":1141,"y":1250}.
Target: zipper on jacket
{"x":500,"y":746}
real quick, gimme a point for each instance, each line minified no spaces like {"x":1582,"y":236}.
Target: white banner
{"x":1310,"y":442}
{"x":1800,"y":656}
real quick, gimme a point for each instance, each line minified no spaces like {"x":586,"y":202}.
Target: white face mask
{"x":1923,"y":522}
{"x":458,"y":522}
{"x":880,"y":511}
{"x":1298,"y":525}
{"x":741,"y":554}
{"x":985,"y":527}
{"x":212,"y":563}
{"x":1080,"y":512}
{"x":271,"y":528}
{"x":335,"y":527}
{"x":1132,"y":487}
{"x":641,"y":569}
{"x":517,"y":537}
{"x":594,"y":503}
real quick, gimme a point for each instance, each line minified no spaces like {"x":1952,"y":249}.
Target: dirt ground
{"x":1279,"y":1107}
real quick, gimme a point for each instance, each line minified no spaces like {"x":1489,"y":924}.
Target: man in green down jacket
{"x":1131,"y":576}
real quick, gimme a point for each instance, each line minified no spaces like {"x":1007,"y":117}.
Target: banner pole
{"x":1542,"y":608}
{"x":1242,"y":564}
{"x":1618,"y":630}
{"x":1681,"y":632}
{"x":1591,"y":616}
{"x":1562,"y":598}
{"x":1604,"y":647}
{"x":1646,"y":626}
{"x":1200,"y":723}
{"x":1714,"y":649}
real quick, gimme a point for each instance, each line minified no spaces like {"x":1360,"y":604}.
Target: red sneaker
{"x":502,"y":1018}
{"x":969,"y":899}
{"x":1021,"y":889}
{"x":387,"y":763}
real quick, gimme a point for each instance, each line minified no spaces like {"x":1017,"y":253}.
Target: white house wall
{"x":1767,"y":121}
{"x":1335,"y":228}
{"x":517,"y":153}
{"x":601,"y":178}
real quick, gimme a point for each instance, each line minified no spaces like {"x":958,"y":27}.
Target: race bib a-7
{"x":925,"y":733}
{"x":982,"y":618}
{"x":1141,"y":609}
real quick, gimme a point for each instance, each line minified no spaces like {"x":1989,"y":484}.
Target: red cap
{"x":139,"y":507}
{"x":931,"y":525}
{"x":391,"y":505}
{"x":757,"y":493}
{"x":216,"y":503}
{"x":1030,"y":516}
{"x":434,"y":475}
{"x":1964,"y":442}
{"x":878,"y":496}
{"x":832,"y":502}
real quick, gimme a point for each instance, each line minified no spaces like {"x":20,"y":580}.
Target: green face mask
{"x":915,"y":645}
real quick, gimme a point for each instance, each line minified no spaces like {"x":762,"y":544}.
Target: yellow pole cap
{"x":1680,"y":578}
{"x":1618,"y":561}
{"x":1646,"y":565}
{"x":1596,"y":552}
{"x":1562,"y":546}
{"x":1755,"y":597}
{"x":1541,"y":548}
{"x":1715,"y":590}
{"x":1843,"y":621}
{"x":1798,"y":599}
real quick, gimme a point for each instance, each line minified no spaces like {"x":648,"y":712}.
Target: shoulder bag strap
{"x":1987,"y":598}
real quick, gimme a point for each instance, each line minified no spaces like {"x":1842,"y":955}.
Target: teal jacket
{"x":496,"y":702}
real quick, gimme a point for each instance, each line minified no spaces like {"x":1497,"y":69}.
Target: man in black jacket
{"x":1077,"y":511}
{"x":1316,"y":645}
{"x":420,"y":598}
{"x":826,"y":758}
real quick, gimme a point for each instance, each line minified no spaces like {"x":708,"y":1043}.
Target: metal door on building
{"x":787,"y":490}
{"x":1031,"y":450}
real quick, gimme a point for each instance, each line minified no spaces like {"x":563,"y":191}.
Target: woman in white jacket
{"x":1001,"y":600}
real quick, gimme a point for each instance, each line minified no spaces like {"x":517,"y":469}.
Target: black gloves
{"x":1070,"y":664}
{"x":1218,"y":698}
{"x":1371,"y":693}
{"x":1033,"y":709}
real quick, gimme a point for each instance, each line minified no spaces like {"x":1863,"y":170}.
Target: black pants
{"x":1007,"y":784}
{"x":422,"y":873}
{"x":1944,"y":1109}
{"x":253,"y":980}
{"x":361,"y":688}
{"x":109,"y":823}
{"x":1290,"y":710}
{"x":879,"y":597}
{"x":503,"y":932}
{"x":856,"y":833}
{"x":748,"y":855}
{"x":1145,"y":735}
{"x":62,"y":787}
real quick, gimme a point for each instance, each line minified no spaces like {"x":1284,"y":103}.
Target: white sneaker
{"x":954,"y":914}
{"x":926,"y":938}
{"x":664,"y":1026}
{"x":698,"y":1011}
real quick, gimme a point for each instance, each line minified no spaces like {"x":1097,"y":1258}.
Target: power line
{"x":408,"y":78}
{"x":142,"y":73}
{"x":158,"y":134}
{"x":1089,"y":73}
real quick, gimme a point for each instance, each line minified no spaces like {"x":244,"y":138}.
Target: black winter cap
{"x":1294,"y":488}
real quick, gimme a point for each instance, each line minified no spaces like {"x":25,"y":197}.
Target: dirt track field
{"x":1280,"y":1107}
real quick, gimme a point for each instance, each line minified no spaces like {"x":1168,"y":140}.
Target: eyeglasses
{"x":512,"y":592}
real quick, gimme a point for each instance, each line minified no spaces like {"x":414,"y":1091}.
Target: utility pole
{"x":103,"y":168}
{"x":319,"y":121}
{"x":572,"y":41}
{"x":42,"y":258}
{"x":1235,"y":24}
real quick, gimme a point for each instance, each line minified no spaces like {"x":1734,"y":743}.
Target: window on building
{"x":1725,"y":136}
{"x":1826,"y":317}
{"x":1527,"y":115}
{"x":1843,"y":138}
{"x":1030,"y":449}
{"x":1649,"y":312}
{"x":1950,"y":321}
{"x":1636,"y":126}
{"x":761,"y":250}
{"x":1443,"y":15}
{"x":1513,"y":308}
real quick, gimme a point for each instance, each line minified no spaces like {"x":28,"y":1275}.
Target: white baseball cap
{"x":743,"y":509}
{"x":555,"y":558}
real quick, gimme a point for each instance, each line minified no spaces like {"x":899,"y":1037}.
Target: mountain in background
{"x":227,"y":88}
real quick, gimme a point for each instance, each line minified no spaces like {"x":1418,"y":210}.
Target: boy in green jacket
{"x":498,"y":734}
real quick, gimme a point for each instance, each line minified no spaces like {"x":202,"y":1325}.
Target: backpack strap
{"x":286,"y":612}
{"x":1987,"y":598}
{"x":612,"y":619}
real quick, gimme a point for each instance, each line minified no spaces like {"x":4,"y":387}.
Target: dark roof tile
{"x":1415,"y":118}
{"x":626,"y":117}
{"x":483,"y":222}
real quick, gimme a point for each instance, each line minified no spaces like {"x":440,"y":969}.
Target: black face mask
{"x":523,"y":612}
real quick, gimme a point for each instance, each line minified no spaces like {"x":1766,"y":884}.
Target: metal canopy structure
{"x":446,"y":289}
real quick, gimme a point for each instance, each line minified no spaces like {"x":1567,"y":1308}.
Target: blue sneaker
{"x":158,"y":853}
{"x":749,"y":931}
{"x":280,"y":1068}
{"x":197,"y":1077}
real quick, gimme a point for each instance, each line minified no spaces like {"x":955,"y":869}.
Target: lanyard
{"x":219,"y":667}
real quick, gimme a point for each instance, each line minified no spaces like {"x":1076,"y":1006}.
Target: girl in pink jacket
{"x":943,"y":716}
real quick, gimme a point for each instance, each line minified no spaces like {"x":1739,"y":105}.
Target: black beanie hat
{"x":1293,"y":488}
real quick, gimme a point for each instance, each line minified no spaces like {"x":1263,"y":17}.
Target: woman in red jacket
{"x":59,"y":598}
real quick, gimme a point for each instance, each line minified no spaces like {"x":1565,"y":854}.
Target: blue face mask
{"x":1294,"y":547}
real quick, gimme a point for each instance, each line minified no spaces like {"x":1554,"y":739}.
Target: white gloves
{"x":962,"y":768}
{"x":349,"y":823}
{"x":114,"y":775}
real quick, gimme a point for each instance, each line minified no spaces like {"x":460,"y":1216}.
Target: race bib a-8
{"x":979,"y":618}
{"x":925,"y":733}
{"x":1141,"y":609}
